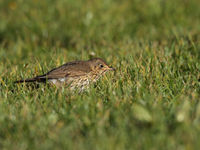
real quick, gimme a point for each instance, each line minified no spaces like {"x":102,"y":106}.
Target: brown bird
{"x":76,"y":74}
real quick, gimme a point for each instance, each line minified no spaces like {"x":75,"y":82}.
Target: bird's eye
{"x":101,"y":66}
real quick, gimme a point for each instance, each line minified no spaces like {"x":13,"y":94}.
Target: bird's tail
{"x":41,"y":78}
{"x":26,"y":80}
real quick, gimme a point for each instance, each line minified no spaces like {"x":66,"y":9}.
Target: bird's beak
{"x":112,"y":69}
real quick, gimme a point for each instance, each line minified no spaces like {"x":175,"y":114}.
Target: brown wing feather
{"x":77,"y":68}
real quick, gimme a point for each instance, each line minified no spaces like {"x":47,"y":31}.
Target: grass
{"x":151,"y":102}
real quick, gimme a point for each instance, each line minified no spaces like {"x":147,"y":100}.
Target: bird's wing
{"x":66,"y":70}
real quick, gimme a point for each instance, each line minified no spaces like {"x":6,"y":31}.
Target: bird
{"x":75,"y":74}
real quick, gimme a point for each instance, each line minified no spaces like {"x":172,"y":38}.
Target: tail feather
{"x":26,"y":80}
{"x":36,"y":79}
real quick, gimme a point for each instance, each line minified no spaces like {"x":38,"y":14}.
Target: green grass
{"x":151,"y":102}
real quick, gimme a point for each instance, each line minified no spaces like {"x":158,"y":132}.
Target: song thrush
{"x":76,"y":74}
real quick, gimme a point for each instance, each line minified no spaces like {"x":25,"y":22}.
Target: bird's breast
{"x":72,"y":82}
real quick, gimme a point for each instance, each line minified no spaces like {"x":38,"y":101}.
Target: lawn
{"x":152,"y":101}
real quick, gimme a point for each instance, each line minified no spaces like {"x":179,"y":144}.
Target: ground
{"x":152,"y":101}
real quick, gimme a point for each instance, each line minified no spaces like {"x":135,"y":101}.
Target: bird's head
{"x":99,"y":66}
